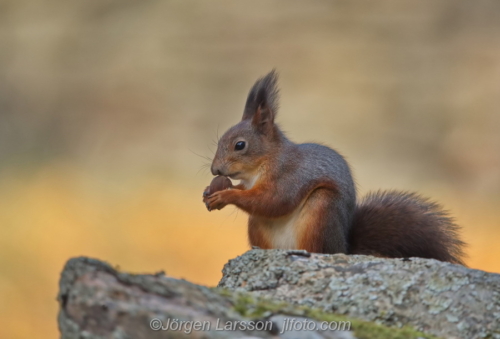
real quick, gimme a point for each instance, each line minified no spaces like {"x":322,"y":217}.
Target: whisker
{"x":203,"y":167}
{"x":237,"y":210}
{"x":228,"y":164}
{"x":208,"y":146}
{"x":201,"y":156}
{"x":215,"y":143}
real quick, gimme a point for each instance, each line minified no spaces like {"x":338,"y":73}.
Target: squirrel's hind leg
{"x":320,"y":228}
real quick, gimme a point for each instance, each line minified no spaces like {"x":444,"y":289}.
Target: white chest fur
{"x":250,"y":182}
{"x":283,"y":231}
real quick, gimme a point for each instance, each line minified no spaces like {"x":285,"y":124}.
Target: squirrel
{"x":303,"y":196}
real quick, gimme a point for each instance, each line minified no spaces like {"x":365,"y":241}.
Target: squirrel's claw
{"x":206,"y":192}
{"x":216,"y":201}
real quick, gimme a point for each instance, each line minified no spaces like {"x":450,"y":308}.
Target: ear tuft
{"x":263,"y":96}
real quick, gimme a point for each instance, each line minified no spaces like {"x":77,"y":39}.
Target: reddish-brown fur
{"x":307,"y":224}
{"x":311,"y":235}
{"x":261,"y":200}
{"x":258,"y":237}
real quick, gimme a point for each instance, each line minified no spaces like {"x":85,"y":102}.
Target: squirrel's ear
{"x":262,"y":101}
{"x":263,"y":118}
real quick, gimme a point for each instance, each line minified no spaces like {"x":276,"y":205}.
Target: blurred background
{"x":107,"y":109}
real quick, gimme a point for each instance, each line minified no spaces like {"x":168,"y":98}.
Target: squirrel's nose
{"x":215,"y":171}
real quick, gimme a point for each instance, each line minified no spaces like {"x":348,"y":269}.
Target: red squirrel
{"x":302,"y":196}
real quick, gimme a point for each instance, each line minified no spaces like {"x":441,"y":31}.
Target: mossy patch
{"x":258,"y":308}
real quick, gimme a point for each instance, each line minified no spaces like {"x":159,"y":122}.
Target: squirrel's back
{"x":322,"y":161}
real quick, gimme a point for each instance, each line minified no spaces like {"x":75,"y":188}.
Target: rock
{"x":444,"y":299}
{"x":97,"y":302}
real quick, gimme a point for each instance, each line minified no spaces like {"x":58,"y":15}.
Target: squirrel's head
{"x":244,"y":148}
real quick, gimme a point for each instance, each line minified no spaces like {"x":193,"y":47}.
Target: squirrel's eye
{"x":239,"y":145}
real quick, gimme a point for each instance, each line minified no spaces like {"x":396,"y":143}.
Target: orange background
{"x":107,"y":109}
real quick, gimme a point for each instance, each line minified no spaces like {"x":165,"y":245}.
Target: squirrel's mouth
{"x":233,"y":175}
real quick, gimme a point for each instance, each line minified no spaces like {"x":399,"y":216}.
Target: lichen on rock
{"x":440,"y":298}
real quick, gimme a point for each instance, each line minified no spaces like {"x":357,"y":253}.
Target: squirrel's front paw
{"x":206,"y":193}
{"x":216,"y":201}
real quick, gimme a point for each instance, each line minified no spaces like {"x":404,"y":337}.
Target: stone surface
{"x":97,"y":302}
{"x":447,"y":300}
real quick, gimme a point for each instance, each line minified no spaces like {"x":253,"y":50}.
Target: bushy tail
{"x":401,"y":224}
